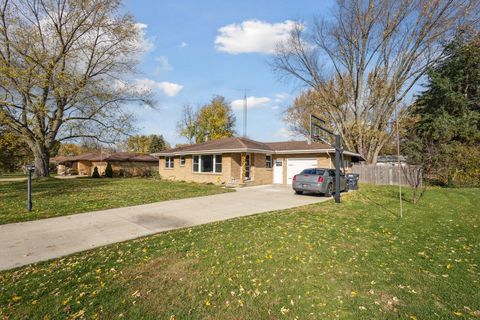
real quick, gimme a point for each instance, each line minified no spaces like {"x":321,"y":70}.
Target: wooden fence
{"x":380,"y":174}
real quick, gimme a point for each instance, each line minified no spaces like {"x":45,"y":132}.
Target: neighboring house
{"x":242,"y":161}
{"x":390,"y":160}
{"x":123,"y":164}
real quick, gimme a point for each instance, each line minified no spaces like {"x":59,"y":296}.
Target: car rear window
{"x":313,"y":171}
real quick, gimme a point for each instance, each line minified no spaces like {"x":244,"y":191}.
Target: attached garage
{"x":297,"y":165}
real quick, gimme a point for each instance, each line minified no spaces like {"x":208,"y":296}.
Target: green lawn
{"x":18,"y":174}
{"x":356,"y":260}
{"x":58,"y":197}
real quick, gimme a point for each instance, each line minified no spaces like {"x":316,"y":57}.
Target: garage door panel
{"x":297,"y":165}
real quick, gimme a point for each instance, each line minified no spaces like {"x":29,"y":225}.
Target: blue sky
{"x":197,"y":49}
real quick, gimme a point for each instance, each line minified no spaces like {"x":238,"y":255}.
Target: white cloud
{"x":252,"y":102}
{"x":168,"y":88}
{"x":183,"y":44}
{"x":163,"y":65}
{"x":284,"y":133}
{"x":252,"y":36}
{"x":280,"y":97}
{"x":144,"y":44}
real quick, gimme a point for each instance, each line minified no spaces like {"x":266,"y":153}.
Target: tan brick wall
{"x":235,"y":166}
{"x":231,"y":168}
{"x":186,"y":173}
{"x":61,"y":169}
{"x":84,"y":168}
{"x":260,"y":173}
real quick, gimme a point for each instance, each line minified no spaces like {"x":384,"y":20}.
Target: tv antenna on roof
{"x":245,"y":107}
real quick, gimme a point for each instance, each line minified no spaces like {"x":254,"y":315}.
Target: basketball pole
{"x":337,"y":168}
{"x":338,"y":152}
{"x":398,"y":150}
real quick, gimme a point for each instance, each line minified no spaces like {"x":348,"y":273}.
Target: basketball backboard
{"x":319,"y":132}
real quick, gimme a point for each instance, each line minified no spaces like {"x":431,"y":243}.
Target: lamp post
{"x":30,"y":169}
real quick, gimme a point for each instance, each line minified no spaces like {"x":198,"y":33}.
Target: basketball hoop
{"x":318,"y":132}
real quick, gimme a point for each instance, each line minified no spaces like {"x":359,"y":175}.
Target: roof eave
{"x":239,"y":150}
{"x":212,"y":151}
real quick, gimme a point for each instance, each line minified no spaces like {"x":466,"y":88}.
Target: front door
{"x":278,"y":171}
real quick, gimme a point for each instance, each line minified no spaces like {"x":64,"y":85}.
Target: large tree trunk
{"x":42,"y":159}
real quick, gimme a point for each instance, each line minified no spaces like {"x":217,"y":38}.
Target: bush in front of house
{"x":156,"y":175}
{"x":95,"y":173}
{"x":109,"y":171}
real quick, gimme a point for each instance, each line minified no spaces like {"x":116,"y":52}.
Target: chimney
{"x":207,"y":137}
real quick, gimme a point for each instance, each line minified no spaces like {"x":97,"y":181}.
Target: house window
{"x":196,"y":163}
{"x":218,"y":163}
{"x":268,"y":161}
{"x":182,"y":161}
{"x":247,"y":167}
{"x":207,"y":163}
{"x":169,"y":162}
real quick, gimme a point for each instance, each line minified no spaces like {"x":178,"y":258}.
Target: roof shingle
{"x":117,"y":156}
{"x":222,"y":144}
{"x":296,"y":145}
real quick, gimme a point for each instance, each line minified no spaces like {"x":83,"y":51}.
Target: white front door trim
{"x":278,"y":171}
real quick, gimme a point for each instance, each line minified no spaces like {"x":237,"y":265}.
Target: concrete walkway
{"x":13,"y":179}
{"x":28,"y":242}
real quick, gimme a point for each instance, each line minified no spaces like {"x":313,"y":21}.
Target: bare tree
{"x":187,"y":126}
{"x":414,"y":176}
{"x":358,"y":59}
{"x":63,"y":66}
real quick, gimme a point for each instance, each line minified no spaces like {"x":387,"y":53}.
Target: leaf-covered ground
{"x":355,"y":260}
{"x":58,"y":197}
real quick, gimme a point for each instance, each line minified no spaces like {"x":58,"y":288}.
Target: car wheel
{"x":298,"y":192}
{"x":329,"y":190}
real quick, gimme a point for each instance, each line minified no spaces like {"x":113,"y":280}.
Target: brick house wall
{"x":232,"y":170}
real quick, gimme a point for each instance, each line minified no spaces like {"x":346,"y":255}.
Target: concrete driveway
{"x":28,"y":242}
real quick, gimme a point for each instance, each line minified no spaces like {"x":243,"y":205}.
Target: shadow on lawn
{"x":49,"y":186}
{"x":391,"y":195}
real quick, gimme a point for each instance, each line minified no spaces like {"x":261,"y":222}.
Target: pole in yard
{"x":398,"y":150}
{"x":30,"y":169}
{"x":337,"y":168}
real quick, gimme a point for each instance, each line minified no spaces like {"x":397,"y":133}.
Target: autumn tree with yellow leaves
{"x":214,"y":120}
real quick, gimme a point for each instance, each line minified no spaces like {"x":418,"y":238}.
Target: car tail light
{"x":294,"y":178}
{"x":320,"y":179}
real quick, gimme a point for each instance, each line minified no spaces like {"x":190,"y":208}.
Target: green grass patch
{"x":17,"y":174}
{"x":58,"y":197}
{"x":355,"y":260}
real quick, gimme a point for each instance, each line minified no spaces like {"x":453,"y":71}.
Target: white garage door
{"x":295,"y":166}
